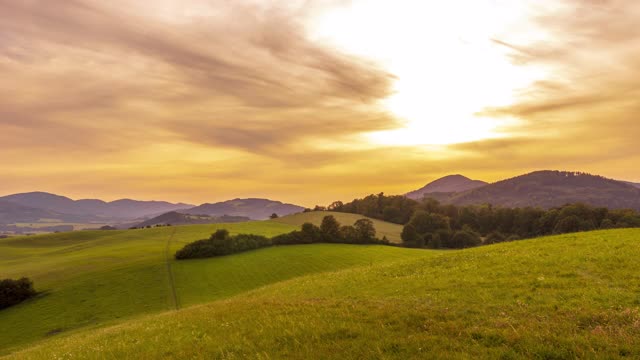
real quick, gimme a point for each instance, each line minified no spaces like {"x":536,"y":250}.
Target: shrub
{"x":13,"y":292}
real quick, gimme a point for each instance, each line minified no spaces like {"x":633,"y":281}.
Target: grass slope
{"x":563,"y":297}
{"x":93,"y":278}
{"x":383,"y":228}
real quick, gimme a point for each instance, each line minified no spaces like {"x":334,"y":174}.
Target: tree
{"x":567,"y":225}
{"x":464,"y":239}
{"x":348,"y":234}
{"x":607,"y":224}
{"x":422,"y":228}
{"x":311,"y":233}
{"x":427,"y":223}
{"x":335,"y":206}
{"x":365,"y":231}
{"x":409,"y":236}
{"x":330,"y":228}
{"x":433,"y":241}
{"x":273,"y":216}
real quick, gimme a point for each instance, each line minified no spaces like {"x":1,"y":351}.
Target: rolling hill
{"x":256,"y":209}
{"x":561,"y":297}
{"x":176,"y":218}
{"x":93,"y":278}
{"x":91,"y":208}
{"x":548,"y":189}
{"x":15,"y":213}
{"x":383,"y":228}
{"x":447,"y":184}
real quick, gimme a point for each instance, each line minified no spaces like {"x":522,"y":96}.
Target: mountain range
{"x":538,"y":189}
{"x":37,"y":207}
{"x":119,"y":209}
{"x":544,"y":189}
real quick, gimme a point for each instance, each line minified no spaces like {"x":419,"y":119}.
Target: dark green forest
{"x":435,"y":225}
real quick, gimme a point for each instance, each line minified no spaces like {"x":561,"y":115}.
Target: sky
{"x":310,"y":101}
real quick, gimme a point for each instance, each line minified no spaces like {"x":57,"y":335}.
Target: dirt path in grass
{"x":172,"y":285}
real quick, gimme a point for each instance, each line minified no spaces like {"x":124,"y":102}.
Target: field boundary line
{"x":172,"y":285}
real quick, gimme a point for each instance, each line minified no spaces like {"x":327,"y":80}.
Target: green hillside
{"x":92,"y":278}
{"x":563,"y":297}
{"x":383,"y":228}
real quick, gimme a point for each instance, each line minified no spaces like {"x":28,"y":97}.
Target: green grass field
{"x":93,"y":278}
{"x":562,"y":297}
{"x":383,"y":228}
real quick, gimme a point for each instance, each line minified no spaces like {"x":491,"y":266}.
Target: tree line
{"x":330,"y":231}
{"x":432,"y":224}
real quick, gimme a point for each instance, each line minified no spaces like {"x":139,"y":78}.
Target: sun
{"x":447,"y":64}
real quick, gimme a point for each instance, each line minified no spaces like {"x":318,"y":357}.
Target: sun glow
{"x":447,"y":65}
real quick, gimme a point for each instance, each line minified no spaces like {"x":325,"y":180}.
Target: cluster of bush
{"x":220,"y":244}
{"x":13,"y":292}
{"x":330,"y":231}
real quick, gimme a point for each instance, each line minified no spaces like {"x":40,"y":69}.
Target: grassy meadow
{"x":110,"y":296}
{"x":92,"y":278}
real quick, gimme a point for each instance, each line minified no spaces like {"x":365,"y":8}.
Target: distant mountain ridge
{"x":633,"y":184}
{"x":119,"y":209}
{"x":176,"y":218}
{"x":447,"y":184}
{"x":548,"y":189}
{"x":15,"y":213}
{"x":33,"y":207}
{"x":256,"y":209}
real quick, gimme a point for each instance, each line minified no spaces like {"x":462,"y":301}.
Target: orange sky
{"x":311,"y":101}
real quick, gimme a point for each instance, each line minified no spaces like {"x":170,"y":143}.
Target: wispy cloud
{"x":185,"y":100}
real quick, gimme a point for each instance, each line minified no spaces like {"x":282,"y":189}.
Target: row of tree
{"x":430,"y":223}
{"x":399,"y":209}
{"x":13,"y":292}
{"x":221,"y":243}
{"x":330,"y":231}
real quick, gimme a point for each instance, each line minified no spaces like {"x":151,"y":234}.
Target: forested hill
{"x":548,"y":189}
{"x":447,"y":184}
